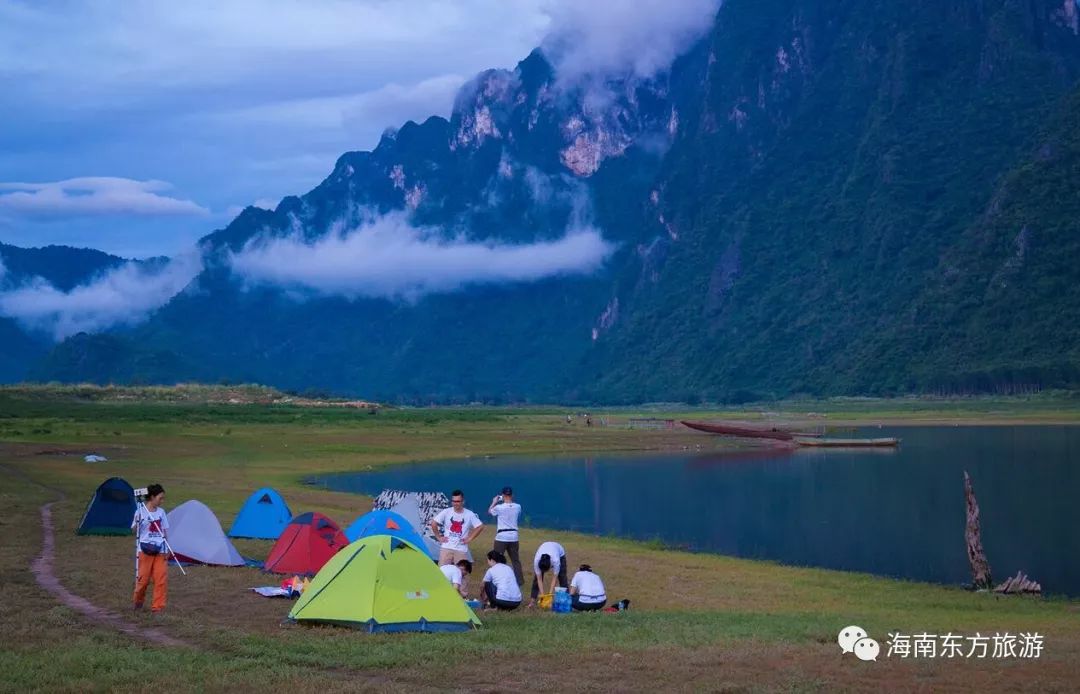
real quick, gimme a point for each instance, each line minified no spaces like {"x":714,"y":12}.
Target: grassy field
{"x":699,"y":622}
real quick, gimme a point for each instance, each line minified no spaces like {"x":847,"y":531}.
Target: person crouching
{"x":501,"y":590}
{"x":151,"y":525}
{"x":587,"y":590}
{"x":458,"y":575}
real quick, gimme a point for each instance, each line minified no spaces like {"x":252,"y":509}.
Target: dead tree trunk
{"x":980,"y":568}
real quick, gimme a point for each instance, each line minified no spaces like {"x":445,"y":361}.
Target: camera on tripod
{"x":140,"y":494}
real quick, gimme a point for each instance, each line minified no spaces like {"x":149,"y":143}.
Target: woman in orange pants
{"x":151,"y":525}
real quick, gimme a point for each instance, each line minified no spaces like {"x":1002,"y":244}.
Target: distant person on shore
{"x":507,"y":516}
{"x":549,"y":567}
{"x":455,"y":528}
{"x":151,"y":525}
{"x":587,"y":590}
{"x":458,"y":575}
{"x":500,"y":590}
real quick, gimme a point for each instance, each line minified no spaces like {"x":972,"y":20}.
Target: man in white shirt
{"x":458,"y":574}
{"x":587,"y":590}
{"x":454,"y":529}
{"x":550,"y":559}
{"x":507,"y":516}
{"x":501,"y":591}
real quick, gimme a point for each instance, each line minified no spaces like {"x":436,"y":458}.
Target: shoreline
{"x":710,"y":612}
{"x":734,"y":448}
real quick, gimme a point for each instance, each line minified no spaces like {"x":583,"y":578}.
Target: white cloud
{"x":389,"y":258}
{"x":266,"y":203}
{"x":642,"y":37}
{"x":389,"y":105}
{"x":122,"y":296}
{"x":99,"y":195}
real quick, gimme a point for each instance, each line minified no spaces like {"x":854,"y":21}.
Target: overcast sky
{"x":137,"y":127}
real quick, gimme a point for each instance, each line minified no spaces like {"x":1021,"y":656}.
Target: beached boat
{"x":848,"y":443}
{"x":747,"y":432}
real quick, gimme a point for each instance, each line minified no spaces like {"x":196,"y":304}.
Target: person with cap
{"x":550,"y":560}
{"x":507,"y":516}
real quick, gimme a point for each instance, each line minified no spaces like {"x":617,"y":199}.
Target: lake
{"x":895,"y":513}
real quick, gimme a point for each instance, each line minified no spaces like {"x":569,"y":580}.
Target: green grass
{"x":693,"y":615}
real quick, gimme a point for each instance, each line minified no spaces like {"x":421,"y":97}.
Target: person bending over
{"x":455,"y":528}
{"x":501,"y":590}
{"x":587,"y":590}
{"x":151,"y":525}
{"x":549,"y":562}
{"x":458,"y":574}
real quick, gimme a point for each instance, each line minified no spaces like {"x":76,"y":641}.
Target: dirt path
{"x":42,"y":568}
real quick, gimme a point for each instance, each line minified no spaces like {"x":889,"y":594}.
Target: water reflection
{"x":893,"y":512}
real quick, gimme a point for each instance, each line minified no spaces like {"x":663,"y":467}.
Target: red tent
{"x":306,"y":543}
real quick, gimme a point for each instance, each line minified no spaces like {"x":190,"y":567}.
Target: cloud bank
{"x":100,"y":195}
{"x":642,"y":37}
{"x":389,"y":258}
{"x":122,"y":296}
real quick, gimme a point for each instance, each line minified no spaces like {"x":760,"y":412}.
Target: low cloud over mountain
{"x":389,"y":258}
{"x":122,"y":296}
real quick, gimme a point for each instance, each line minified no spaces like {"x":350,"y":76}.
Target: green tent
{"x":383,"y":583}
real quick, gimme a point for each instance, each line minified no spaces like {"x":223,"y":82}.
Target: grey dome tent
{"x":196,"y":536}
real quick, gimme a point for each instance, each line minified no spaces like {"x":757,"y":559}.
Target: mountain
{"x":842,"y":197}
{"x":63,"y":267}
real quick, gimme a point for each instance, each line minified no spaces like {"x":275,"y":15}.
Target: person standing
{"x":458,"y":575}
{"x":151,"y":525}
{"x":587,"y":590}
{"x":550,"y":560}
{"x":507,"y":516}
{"x":455,"y":528}
{"x":500,"y":590}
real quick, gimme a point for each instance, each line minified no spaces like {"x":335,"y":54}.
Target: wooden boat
{"x":848,"y":443}
{"x":746,"y":432}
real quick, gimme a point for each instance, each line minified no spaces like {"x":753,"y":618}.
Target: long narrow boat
{"x":848,"y":443}
{"x":747,"y":432}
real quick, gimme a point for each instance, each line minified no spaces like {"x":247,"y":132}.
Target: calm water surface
{"x":892,"y":513}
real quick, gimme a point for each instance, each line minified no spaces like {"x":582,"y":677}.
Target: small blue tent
{"x":385,"y":523}
{"x":110,"y":510}
{"x":262,"y":517}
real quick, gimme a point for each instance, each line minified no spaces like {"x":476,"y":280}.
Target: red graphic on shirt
{"x":154,"y":527}
{"x":457,"y":526}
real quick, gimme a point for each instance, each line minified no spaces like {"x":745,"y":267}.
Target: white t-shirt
{"x":456,"y":527}
{"x":151,"y":524}
{"x":507,"y":521}
{"x":553,"y":550}
{"x":452,"y":573}
{"x":589,"y":586}
{"x":506,"y":587}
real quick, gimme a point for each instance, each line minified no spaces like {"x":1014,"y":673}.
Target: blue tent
{"x":385,"y":523}
{"x":262,"y":517}
{"x":110,"y":510}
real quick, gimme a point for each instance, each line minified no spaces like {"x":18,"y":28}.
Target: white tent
{"x":408,"y":508}
{"x":196,"y":535}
